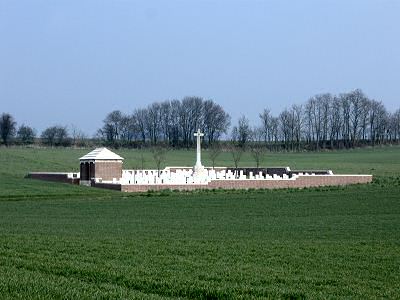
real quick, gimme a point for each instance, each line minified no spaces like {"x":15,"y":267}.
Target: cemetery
{"x":102,"y":168}
{"x":199,"y":150}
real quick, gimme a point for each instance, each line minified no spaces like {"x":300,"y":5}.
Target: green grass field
{"x":71,"y":242}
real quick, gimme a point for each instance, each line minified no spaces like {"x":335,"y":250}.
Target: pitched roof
{"x":101,"y":154}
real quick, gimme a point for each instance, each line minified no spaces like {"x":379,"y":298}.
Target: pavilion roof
{"x":101,"y":154}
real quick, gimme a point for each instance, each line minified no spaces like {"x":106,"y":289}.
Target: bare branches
{"x":242,"y":133}
{"x":257,"y":153}
{"x":236,"y":153}
{"x":214,"y":152}
{"x":159,"y":155}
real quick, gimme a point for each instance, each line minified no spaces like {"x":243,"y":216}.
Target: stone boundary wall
{"x":56,"y":177}
{"x":109,"y":186}
{"x":300,"y":182}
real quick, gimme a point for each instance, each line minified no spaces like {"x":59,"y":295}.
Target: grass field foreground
{"x":63,"y":241}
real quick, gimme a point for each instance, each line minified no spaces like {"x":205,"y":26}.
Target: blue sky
{"x":72,"y":62}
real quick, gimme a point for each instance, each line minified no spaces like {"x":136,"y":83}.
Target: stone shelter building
{"x":100,"y":163}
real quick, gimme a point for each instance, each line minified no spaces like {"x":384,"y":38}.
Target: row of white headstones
{"x":188,"y":176}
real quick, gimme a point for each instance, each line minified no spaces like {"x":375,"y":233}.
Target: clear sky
{"x":72,"y":62}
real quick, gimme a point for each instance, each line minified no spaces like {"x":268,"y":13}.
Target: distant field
{"x":376,"y":161}
{"x":63,"y":241}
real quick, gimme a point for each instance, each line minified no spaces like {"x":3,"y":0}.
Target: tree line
{"x":172,"y":123}
{"x":328,"y":121}
{"x":324,"y":121}
{"x":52,"y":136}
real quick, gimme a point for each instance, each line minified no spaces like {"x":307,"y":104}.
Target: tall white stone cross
{"x":198,"y":165}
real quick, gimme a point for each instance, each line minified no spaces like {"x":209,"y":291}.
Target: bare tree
{"x":346,"y":109}
{"x":128,"y":128}
{"x":77,"y":135}
{"x":257,"y":135}
{"x":174,"y":128}
{"x":335,"y":122}
{"x":242,"y":132}
{"x":7,"y":127}
{"x":214,"y":152}
{"x":153,"y":122}
{"x":112,"y":126}
{"x":317,"y":109}
{"x":190,"y":118}
{"x":297,"y":116}
{"x":216,"y":121}
{"x":159,"y":156}
{"x":325,"y":103}
{"x":309,"y":114}
{"x":381,"y":124}
{"x":275,"y":131}
{"x":375,"y":107}
{"x":257,"y":152}
{"x":396,"y":125}
{"x":265,"y":117}
{"x":107,"y":132}
{"x":166,"y":120}
{"x":184,"y":122}
{"x":140,"y":116}
{"x":365,"y":107}
{"x":286,"y":125}
{"x":356,"y":98}
{"x":236,"y":153}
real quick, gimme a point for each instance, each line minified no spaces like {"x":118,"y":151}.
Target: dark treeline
{"x":325,"y":121}
{"x":171,"y":123}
